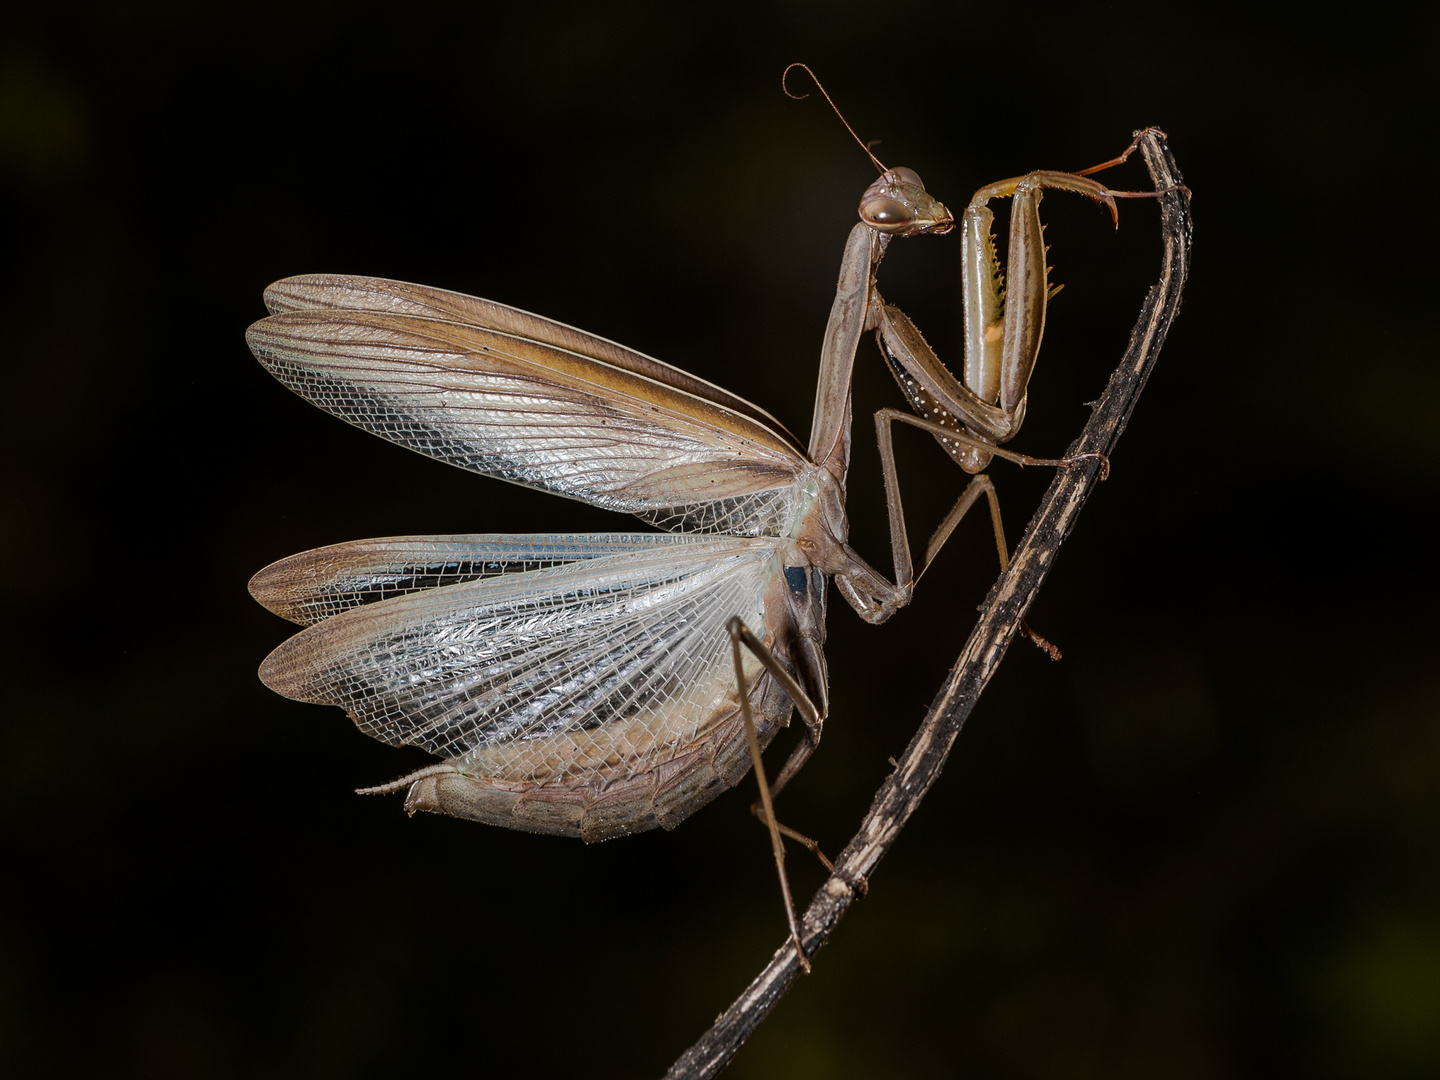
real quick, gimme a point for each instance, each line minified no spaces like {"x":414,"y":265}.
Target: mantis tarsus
{"x":581,"y":684}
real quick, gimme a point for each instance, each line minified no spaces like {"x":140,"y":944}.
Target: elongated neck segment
{"x":830,"y":428}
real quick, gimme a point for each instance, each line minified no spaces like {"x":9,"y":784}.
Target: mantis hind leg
{"x":740,"y":635}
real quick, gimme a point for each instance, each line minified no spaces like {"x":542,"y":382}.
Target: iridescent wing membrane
{"x":624,"y":650}
{"x":577,"y":684}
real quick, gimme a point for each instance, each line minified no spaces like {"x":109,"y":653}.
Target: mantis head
{"x":897,"y":204}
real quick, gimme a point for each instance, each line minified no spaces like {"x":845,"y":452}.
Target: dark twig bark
{"x":1012,"y":595}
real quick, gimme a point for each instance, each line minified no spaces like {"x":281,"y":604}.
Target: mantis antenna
{"x":785,"y":75}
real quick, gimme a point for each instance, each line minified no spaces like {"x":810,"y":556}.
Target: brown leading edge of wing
{"x":355,"y":293}
{"x":519,"y":409}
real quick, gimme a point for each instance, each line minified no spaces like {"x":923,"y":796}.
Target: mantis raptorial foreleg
{"x":1003,"y":329}
{"x":1004,"y":324}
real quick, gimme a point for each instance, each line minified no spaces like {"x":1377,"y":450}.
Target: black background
{"x":1205,"y":844}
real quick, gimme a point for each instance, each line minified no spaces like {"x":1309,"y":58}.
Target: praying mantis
{"x":581,"y":684}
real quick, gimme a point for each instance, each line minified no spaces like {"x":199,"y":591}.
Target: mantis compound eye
{"x":907,"y":176}
{"x":886,"y":215}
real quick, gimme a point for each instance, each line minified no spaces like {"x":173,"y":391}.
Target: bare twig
{"x":1012,"y":595}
